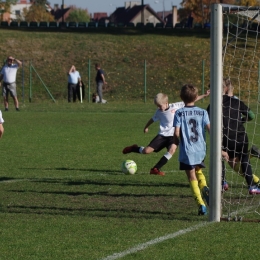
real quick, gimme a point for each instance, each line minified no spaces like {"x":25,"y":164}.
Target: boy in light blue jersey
{"x":190,"y":123}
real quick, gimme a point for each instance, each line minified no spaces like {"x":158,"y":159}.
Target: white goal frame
{"x":216,"y":76}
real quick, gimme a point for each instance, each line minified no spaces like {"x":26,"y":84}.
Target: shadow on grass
{"x":100,"y":193}
{"x":102,"y":213}
{"x":123,"y":183}
{"x":75,"y":169}
{"x":6,"y":179}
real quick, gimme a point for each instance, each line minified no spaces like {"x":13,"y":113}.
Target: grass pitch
{"x":63,"y":196}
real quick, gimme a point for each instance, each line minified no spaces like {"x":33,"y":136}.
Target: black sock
{"x":161,"y":163}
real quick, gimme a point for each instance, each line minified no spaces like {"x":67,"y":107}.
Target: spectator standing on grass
{"x":190,"y":123}
{"x":8,"y":74}
{"x":73,"y":80}
{"x":100,"y":81}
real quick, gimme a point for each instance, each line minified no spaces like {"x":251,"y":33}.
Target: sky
{"x":109,"y":6}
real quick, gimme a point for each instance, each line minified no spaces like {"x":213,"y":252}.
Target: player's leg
{"x":223,"y":177}
{"x":191,"y":175}
{"x":202,"y":184}
{"x":236,"y":165}
{"x":254,"y":152}
{"x":247,"y":171}
{"x":171,"y":148}
{"x":154,"y":144}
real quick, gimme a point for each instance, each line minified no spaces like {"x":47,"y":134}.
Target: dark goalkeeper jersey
{"x":233,"y":127}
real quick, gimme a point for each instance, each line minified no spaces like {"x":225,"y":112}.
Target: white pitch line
{"x":154,"y":241}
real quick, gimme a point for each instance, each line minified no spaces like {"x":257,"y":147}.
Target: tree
{"x":78,"y":15}
{"x":40,"y":2}
{"x":5,"y":6}
{"x":37,"y":13}
{"x":200,"y":9}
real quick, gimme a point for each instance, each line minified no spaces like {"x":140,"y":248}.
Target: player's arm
{"x":147,"y":125}
{"x":203,"y":96}
{"x":208,"y":128}
{"x":248,"y":116}
{"x":176,"y":135}
{"x":225,"y":156}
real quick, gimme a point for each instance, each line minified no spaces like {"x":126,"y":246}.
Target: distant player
{"x":190,"y":123}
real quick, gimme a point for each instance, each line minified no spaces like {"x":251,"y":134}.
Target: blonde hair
{"x":227,"y":83}
{"x":189,"y":93}
{"x":160,"y":99}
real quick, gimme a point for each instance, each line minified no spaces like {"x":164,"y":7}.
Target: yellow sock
{"x":239,"y":171}
{"x":255,"y":178}
{"x":201,"y":179}
{"x":196,"y":192}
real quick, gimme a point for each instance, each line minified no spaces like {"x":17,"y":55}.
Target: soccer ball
{"x":129,"y":167}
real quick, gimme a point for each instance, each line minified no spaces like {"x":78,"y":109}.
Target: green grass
{"x":63,"y":196}
{"x":172,"y":59}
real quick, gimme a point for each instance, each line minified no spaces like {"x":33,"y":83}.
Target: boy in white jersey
{"x":164,"y":139}
{"x":190,"y":123}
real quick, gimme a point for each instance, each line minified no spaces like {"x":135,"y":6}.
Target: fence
{"x":39,"y":80}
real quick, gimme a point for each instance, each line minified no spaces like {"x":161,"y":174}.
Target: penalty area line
{"x":154,"y":241}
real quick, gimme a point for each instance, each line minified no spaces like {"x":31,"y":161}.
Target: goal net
{"x":235,"y":55}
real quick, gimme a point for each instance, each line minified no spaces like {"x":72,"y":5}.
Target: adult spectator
{"x":8,"y":74}
{"x":73,"y":80}
{"x":100,"y":80}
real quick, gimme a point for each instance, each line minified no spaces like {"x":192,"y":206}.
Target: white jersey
{"x":1,"y":118}
{"x":9,"y":73}
{"x":166,"y":118}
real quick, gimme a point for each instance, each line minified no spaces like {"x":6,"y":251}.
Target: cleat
{"x":129,"y":149}
{"x":205,"y":194}
{"x":156,"y":171}
{"x":254,"y":190}
{"x":202,"y":210}
{"x":254,"y":152}
{"x":224,"y":186}
{"x":6,"y":109}
{"x":17,"y":109}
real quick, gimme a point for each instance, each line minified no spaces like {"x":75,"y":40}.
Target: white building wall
{"x":18,"y":9}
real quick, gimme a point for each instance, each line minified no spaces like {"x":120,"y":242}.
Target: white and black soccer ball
{"x":129,"y":167}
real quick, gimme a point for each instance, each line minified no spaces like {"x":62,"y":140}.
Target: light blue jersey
{"x":192,"y":122}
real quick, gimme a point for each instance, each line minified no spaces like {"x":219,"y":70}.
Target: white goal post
{"x":234,"y":54}
{"x":215,"y":111}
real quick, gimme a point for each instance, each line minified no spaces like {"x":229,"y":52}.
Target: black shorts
{"x":184,"y":167}
{"x":235,"y":148}
{"x":159,"y":142}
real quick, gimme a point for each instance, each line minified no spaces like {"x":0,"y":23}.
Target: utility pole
{"x":142,"y":12}
{"x":62,"y":10}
